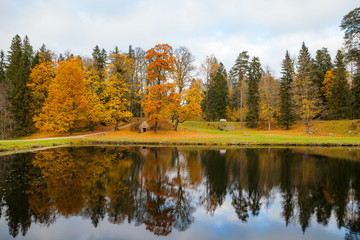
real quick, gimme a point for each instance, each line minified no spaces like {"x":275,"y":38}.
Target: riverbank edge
{"x":37,"y":145}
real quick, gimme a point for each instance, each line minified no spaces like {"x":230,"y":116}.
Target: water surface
{"x":180,"y":193}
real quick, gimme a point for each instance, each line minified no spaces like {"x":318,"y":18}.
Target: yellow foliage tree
{"x":67,"y":105}
{"x":192,"y":107}
{"x":328,"y":83}
{"x":118,"y":105}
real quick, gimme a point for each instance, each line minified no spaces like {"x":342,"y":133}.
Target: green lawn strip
{"x":21,"y":144}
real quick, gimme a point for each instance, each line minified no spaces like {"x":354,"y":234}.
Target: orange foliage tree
{"x":67,"y":104}
{"x":162,"y":94}
{"x":41,"y":76}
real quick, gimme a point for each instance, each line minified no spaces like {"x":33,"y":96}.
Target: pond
{"x":180,"y":193}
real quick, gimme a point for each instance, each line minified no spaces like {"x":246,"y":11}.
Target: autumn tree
{"x":287,"y":108}
{"x":118,"y":104}
{"x":18,"y":74}
{"x":253,"y":97}
{"x":218,"y":95}
{"x":40,"y":78}
{"x":162,"y":94}
{"x":269,"y":88}
{"x":67,"y":105}
{"x":238,"y":74}
{"x":305,"y":90}
{"x":191,"y":107}
{"x":182,"y":75}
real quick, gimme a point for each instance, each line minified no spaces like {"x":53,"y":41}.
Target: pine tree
{"x":218,"y":95}
{"x":238,"y":75}
{"x":253,"y":97}
{"x":287,"y":113}
{"x":339,"y":101}
{"x":18,"y":73}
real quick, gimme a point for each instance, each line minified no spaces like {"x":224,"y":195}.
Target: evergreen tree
{"x":306,"y":93}
{"x":238,"y":74}
{"x":350,"y":24}
{"x":321,"y":65}
{"x":253,"y":97}
{"x":339,"y":100}
{"x":355,"y":92}
{"x":286,"y":112}
{"x":218,"y":95}
{"x":2,"y":66}
{"x":18,"y":72}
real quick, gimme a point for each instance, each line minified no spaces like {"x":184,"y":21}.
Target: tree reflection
{"x":160,"y":187}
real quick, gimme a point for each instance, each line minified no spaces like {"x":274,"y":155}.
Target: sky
{"x":264,"y":28}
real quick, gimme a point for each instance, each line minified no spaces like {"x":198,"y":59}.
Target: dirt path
{"x":70,"y":137}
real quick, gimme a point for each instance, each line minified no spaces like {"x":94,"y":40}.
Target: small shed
{"x":143,"y":127}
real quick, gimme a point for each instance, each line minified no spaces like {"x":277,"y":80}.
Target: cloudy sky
{"x":265,"y":28}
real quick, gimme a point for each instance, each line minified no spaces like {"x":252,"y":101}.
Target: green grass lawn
{"x":329,"y":133}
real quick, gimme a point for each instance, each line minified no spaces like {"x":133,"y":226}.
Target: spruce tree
{"x":218,"y":95}
{"x":339,"y":100}
{"x":321,"y":65}
{"x":286,"y":111}
{"x":253,"y":97}
{"x":2,"y":66}
{"x":306,"y":93}
{"x":18,"y":74}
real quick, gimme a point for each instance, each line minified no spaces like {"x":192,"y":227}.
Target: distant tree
{"x":286,"y":109}
{"x":339,"y":99}
{"x":218,"y":95}
{"x":18,"y":74}
{"x":253,"y":97}
{"x":306,"y":94}
{"x":238,"y":75}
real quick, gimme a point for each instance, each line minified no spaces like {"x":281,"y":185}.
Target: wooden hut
{"x":143,"y":127}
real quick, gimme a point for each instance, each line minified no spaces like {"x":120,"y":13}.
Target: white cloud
{"x":264,"y":28}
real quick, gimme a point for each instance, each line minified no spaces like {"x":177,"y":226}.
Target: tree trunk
{"x":269,"y":118}
{"x":71,"y":131}
{"x":156,"y":127}
{"x":117,"y":125}
{"x":176,"y":124}
{"x":241,"y":107}
{"x":307,"y":125}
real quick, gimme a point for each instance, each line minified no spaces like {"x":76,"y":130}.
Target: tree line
{"x":40,"y":90}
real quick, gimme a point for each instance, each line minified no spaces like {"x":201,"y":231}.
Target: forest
{"x":41,"y":90}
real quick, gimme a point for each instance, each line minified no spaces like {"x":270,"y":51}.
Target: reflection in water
{"x":162,"y":187}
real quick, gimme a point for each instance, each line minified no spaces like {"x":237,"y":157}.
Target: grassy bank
{"x":326,"y":133}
